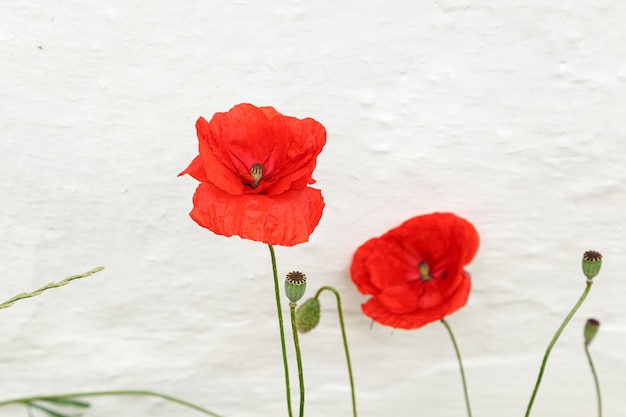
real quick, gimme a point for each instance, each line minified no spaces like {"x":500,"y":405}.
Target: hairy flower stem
{"x":458,"y":357}
{"x":279,"y":310}
{"x":345,"y":341}
{"x":28,"y":400}
{"x":553,"y":342}
{"x":296,"y":344}
{"x":595,"y":380}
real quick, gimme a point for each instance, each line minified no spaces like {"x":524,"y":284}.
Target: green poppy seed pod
{"x":295,"y":285}
{"x":592,"y":261}
{"x":256,"y":172}
{"x":308,"y":315}
{"x":591,"y":328}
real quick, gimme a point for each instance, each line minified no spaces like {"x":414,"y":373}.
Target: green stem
{"x":29,"y":400}
{"x":595,"y":379}
{"x":458,"y":357}
{"x":279,"y":309}
{"x":345,"y":341}
{"x":12,"y":300}
{"x":553,"y":342}
{"x":296,"y":343}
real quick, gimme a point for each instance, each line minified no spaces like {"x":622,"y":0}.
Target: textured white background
{"x":510,"y":114}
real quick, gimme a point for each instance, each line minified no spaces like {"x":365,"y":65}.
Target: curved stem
{"x":553,"y":342}
{"x":282,"y":329}
{"x":595,"y":379}
{"x":28,"y":400}
{"x":345,"y":341}
{"x":296,"y":343}
{"x":458,"y":357}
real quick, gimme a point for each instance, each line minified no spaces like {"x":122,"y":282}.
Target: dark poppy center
{"x":256,"y":172}
{"x":424,"y":271}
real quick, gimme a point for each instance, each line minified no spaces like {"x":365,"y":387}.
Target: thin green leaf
{"x":67,"y":401}
{"x":47,"y":410}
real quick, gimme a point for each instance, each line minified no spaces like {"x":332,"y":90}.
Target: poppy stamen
{"x":424,"y":271}
{"x":256,"y":172}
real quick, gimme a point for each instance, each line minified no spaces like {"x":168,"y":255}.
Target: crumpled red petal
{"x":217,"y":161}
{"x":196,"y":170}
{"x":305,"y":138}
{"x":444,"y":239}
{"x":359,"y":270}
{"x":286,"y":219}
{"x":380,"y":263}
{"x":379,"y":312}
{"x":285,"y":146}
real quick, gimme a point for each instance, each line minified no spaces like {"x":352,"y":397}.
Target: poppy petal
{"x":286,"y":219}
{"x":399,"y":299}
{"x":218,"y":165}
{"x":305,"y":139}
{"x":379,"y":312}
{"x":247,"y":136}
{"x":358,"y":270}
{"x":443,"y":238}
{"x":286,"y":147}
{"x":196,"y":169}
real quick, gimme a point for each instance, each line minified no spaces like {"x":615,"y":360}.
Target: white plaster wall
{"x":509,"y":113}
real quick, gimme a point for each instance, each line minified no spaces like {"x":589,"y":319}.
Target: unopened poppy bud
{"x":308,"y":315}
{"x":591,"y":328}
{"x":295,"y":285}
{"x":256,"y":172}
{"x":592,"y":261}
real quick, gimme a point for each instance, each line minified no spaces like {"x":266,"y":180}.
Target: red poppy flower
{"x":254,"y":169}
{"x":414,"y":272}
